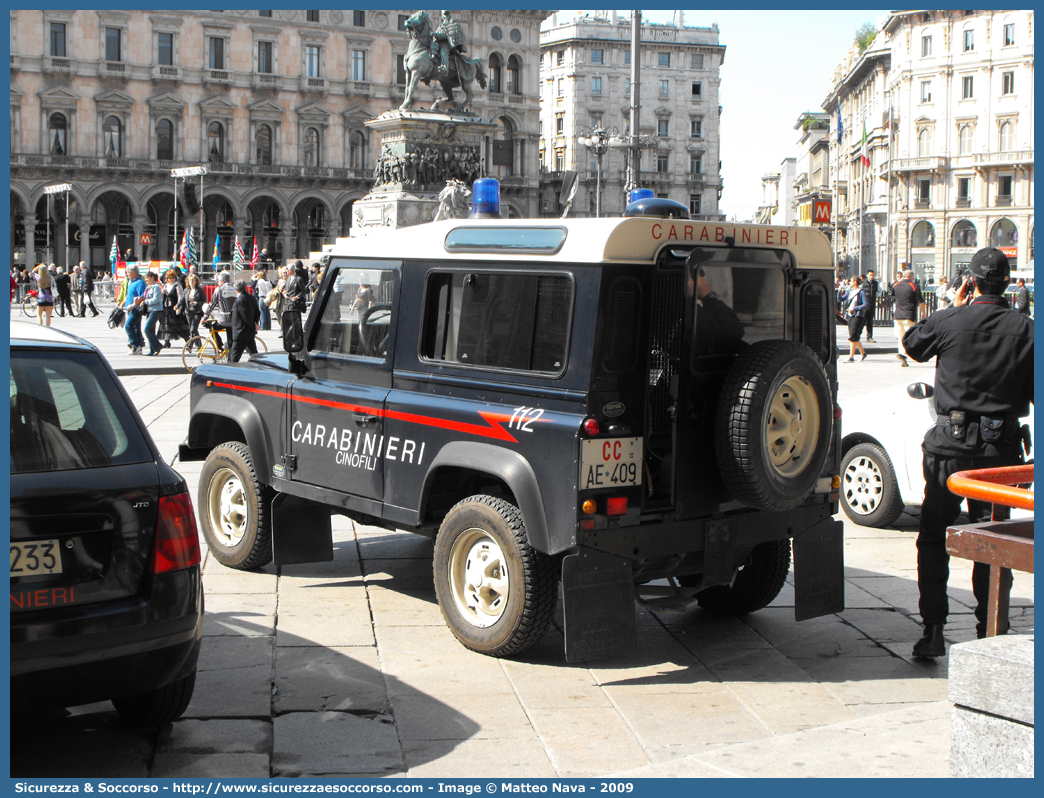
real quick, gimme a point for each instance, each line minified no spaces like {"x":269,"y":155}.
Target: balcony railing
{"x":963,"y":203}
{"x":56,"y":64}
{"x":922,"y":205}
{"x":1003,"y":200}
{"x":217,"y":76}
{"x":266,"y":80}
{"x":920,"y":164}
{"x":314,"y":84}
{"x":166,"y":72}
{"x":360,"y":87}
{"x":114,"y":68}
{"x":516,"y":99}
{"x":997,"y":158}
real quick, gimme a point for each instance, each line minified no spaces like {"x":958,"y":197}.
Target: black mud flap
{"x":819,"y":570}
{"x":598,"y":605}
{"x":301,"y":531}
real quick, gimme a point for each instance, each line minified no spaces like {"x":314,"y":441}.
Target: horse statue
{"x":421,"y":65}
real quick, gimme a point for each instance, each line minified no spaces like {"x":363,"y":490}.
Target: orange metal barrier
{"x":1001,"y":544}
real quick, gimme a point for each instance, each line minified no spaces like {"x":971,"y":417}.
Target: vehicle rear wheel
{"x":773,"y":428}
{"x":234,"y":508}
{"x":158,"y":706}
{"x":758,"y":581}
{"x":497,"y":593}
{"x":869,"y":490}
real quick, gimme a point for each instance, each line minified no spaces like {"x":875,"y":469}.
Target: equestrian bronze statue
{"x":439,"y":55}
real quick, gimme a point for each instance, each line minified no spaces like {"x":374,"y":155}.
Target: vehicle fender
{"x":509,"y":466}
{"x":203,"y":433}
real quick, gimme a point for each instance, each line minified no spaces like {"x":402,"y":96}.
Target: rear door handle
{"x":362,"y":419}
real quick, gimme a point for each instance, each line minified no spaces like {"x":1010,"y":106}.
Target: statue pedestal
{"x":420,"y":151}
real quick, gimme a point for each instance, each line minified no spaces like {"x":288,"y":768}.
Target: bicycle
{"x":202,"y":349}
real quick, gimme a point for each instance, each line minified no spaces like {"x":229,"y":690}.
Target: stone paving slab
{"x":234,"y":678}
{"x":404,"y":607}
{"x":334,"y":743}
{"x":334,"y":678}
{"x":247,"y":614}
{"x":471,"y":717}
{"x":211,"y":766}
{"x":215,"y":737}
{"x":324,"y":622}
{"x":472,"y":759}
{"x":587,"y":740}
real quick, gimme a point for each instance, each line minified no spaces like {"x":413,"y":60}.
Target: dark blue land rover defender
{"x":637,"y":406}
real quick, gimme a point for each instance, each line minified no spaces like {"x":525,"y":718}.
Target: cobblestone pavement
{"x":347,"y":669}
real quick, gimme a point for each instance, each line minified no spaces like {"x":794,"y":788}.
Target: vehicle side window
{"x":357,"y":316}
{"x":501,"y":320}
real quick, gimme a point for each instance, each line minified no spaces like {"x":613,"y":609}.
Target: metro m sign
{"x":821,"y":211}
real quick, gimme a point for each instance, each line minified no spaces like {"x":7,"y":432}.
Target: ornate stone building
{"x":273,"y":102}
{"x":586,"y":72}
{"x":957,"y":173}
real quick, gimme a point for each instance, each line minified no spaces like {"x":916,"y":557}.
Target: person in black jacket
{"x":983,"y":386}
{"x":63,"y":283}
{"x":87,"y":288}
{"x":296,"y":289}
{"x":870,"y":288}
{"x":1022,"y":303}
{"x":245,"y":318}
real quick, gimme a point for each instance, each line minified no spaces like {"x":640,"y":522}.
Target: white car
{"x":881,"y":452}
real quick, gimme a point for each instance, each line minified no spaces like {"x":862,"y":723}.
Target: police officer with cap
{"x":983,"y":386}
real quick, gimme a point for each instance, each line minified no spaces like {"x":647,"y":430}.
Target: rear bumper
{"x":100,"y":653}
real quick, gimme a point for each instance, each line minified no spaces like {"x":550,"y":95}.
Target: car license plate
{"x":35,"y":558}
{"x":610,"y":463}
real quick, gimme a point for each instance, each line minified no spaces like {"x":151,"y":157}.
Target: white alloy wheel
{"x":228,"y":507}
{"x":478,"y":577}
{"x":863,"y":485}
{"x":792,"y":427}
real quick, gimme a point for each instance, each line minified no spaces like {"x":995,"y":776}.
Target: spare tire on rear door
{"x":773,"y":426}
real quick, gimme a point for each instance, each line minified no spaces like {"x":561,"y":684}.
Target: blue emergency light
{"x":485,"y":199}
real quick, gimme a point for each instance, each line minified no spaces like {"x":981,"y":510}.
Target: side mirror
{"x":920,"y":390}
{"x":293,"y":332}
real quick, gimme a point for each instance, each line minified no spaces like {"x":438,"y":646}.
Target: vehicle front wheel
{"x":234,"y":508}
{"x":497,"y":593}
{"x":869,"y":490}
{"x":163,"y":705}
{"x":758,"y":581}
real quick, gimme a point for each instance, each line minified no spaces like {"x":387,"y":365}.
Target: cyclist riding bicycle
{"x":221,"y":306}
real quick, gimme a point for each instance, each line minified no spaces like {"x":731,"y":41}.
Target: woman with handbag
{"x":45,"y":295}
{"x":190,"y":305}
{"x":171,"y":325}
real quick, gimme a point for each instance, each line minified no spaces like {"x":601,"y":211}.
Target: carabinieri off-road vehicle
{"x":626,"y":406}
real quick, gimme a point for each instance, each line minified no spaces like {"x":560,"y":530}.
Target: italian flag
{"x":864,"y":153}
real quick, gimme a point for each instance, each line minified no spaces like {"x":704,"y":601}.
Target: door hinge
{"x":290,"y":461}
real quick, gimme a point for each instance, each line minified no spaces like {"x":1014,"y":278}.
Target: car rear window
{"x":68,"y":414}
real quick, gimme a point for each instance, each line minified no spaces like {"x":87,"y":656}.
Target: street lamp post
{"x":598,"y":142}
{"x":50,"y":191}
{"x":184,"y":174}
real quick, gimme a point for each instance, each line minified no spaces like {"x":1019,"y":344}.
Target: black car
{"x":106,"y":594}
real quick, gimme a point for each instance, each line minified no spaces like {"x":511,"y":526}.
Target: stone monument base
{"x":390,"y":210}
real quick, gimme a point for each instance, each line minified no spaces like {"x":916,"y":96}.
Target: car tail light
{"x":591,"y":426}
{"x":177,"y":542}
{"x":837,"y":412}
{"x":616,"y":505}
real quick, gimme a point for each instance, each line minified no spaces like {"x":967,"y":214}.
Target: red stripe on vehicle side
{"x":494,"y":420}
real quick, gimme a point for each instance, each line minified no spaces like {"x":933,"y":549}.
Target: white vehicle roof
{"x":634,"y":239}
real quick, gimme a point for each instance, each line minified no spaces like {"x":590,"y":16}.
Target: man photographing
{"x":983,"y":386}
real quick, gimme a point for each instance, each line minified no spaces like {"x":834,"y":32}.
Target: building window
{"x":924,"y":143}
{"x":111,"y":131}
{"x":964,"y":189}
{"x":264,"y":13}
{"x":665,"y":88}
{"x":358,"y":62}
{"x":969,"y":41}
{"x":627,"y":87}
{"x":627,"y":57}
{"x":56,"y":127}
{"x":596,"y":84}
{"x":312,"y":61}
{"x":311,"y":147}
{"x":697,"y":89}
{"x":403,"y":19}
{"x":663,"y":127}
{"x":58,"y":39}
{"x":559,"y":58}
{"x":926,"y":91}
{"x":663,"y":161}
{"x":559,"y":124}
{"x":1009,"y":35}
{"x":400,"y":69}
{"x":165,"y":140}
{"x":696,"y":128}
{"x":695,"y":165}
{"x":264,"y":57}
{"x":1007,"y":82}
{"x":357,"y":150}
{"x":113,"y":38}
{"x":596,"y":123}
{"x":664,"y":59}
{"x":965,"y":143}
{"x":1007,"y":136}
{"x":217,"y":52}
{"x":311,"y":16}
{"x":165,"y":49}
{"x":926,"y":46}
{"x":697,"y":61}
{"x":263,"y":145}
{"x":494,"y":74}
{"x":967,"y":87}
{"x":695,"y":201}
{"x":561,"y":87}
{"x":924,"y":190}
{"x":516,"y":35}
{"x":216,"y":142}
{"x":1004,"y":183}
{"x":359,"y":19}
{"x":596,"y":57}
{"x":514,"y":75}
{"x":559,"y":160}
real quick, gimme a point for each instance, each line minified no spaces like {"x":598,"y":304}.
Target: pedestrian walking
{"x":86,"y":291}
{"x":44,"y":294}
{"x":221,"y":306}
{"x":296,"y":289}
{"x":855,"y":307}
{"x":190,"y":305}
{"x":77,"y":290}
{"x":63,"y":284}
{"x":245,"y":318}
{"x":130,"y":292}
{"x":870,"y":287}
{"x":983,"y":386}
{"x":1022,"y":303}
{"x":151,"y":301}
{"x":262,"y":288}
{"x":172,"y":325}
{"x":909,"y":306}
